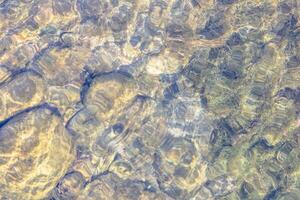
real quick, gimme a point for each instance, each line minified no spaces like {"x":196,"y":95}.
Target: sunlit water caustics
{"x":149,"y":100}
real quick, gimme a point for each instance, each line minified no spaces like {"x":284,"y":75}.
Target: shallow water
{"x":149,"y":99}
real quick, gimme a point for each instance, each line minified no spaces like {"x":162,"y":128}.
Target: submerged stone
{"x":36,"y":150}
{"x":155,"y":99}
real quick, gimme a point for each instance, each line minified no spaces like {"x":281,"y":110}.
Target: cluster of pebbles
{"x":149,"y":99}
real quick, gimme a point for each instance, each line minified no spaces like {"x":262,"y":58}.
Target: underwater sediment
{"x":149,"y":99}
